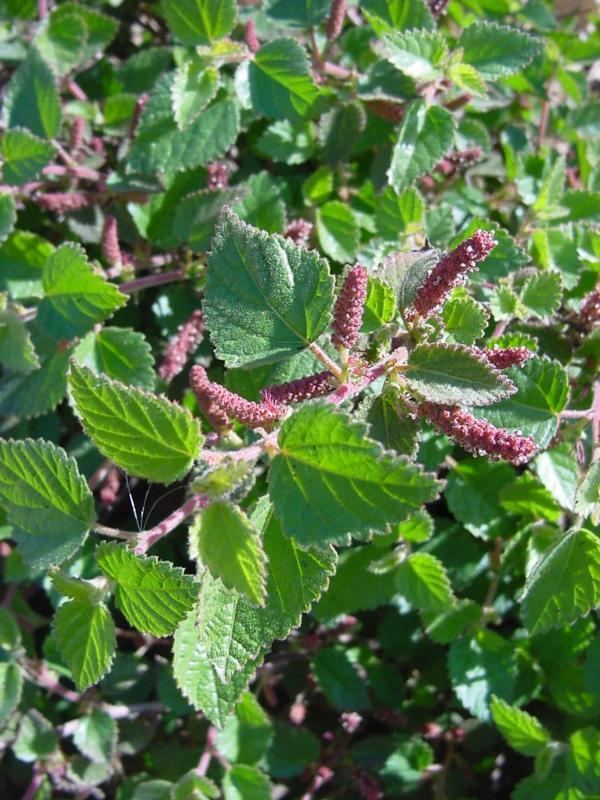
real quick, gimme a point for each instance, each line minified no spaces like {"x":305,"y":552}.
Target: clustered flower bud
{"x":76,"y":133}
{"x":589,"y":313}
{"x":437,"y":7}
{"x":458,"y":159}
{"x":503,"y":357}
{"x":335,"y":23}
{"x":478,"y":436}
{"x":348,"y":311}
{"x":217,"y":175}
{"x":296,"y":391}
{"x":254,"y":415}
{"x":63,"y":202}
{"x":110,"y":242}
{"x":298,"y":230}
{"x":182,"y":346}
{"x":250,"y":36}
{"x":452,"y":271}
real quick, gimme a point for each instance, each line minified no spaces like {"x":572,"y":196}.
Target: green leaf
{"x":497,"y":50}
{"x":523,"y":732}
{"x":472,"y":495}
{"x":565,"y":583}
{"x":387,"y":15}
{"x":35,"y":739}
{"x":85,"y":634}
{"x":399,"y":214}
{"x":338,"y":678}
{"x":234,"y":632}
{"x":200,"y":21}
{"x":153,"y":595}
{"x":96,"y":736}
{"x":193,"y":87}
{"x":44,"y":495}
{"x":22,"y":259}
{"x":227,"y":543}
{"x":424,"y":582}
{"x":120,"y":353}
{"x":558,"y":470}
{"x":444,"y":373}
{"x":287,"y":142}
{"x":587,"y":500}
{"x":23,"y":156}
{"x":542,"y":392}
{"x":159,"y":145}
{"x":380,"y":306}
{"x":247,"y":734}
{"x":8,"y":215}
{"x":339,"y":129}
{"x":447,"y":626}
{"x":405,"y":273}
{"x":262,"y":204}
{"x":89,"y":591}
{"x":528,"y":497}
{"x":337,"y":231}
{"x":31,"y":100}
{"x":417,"y":53}
{"x":551,"y":189}
{"x":17,"y":351}
{"x":298,"y":13}
{"x":11,"y":684}
{"x":33,"y":393}
{"x":198,"y":680}
{"x":482,"y":666}
{"x":62,"y":41}
{"x":467,"y":78}
{"x":76,"y":297}
{"x":144,"y":434}
{"x":265,"y":297}
{"x":291,"y":750}
{"x":196,"y":216}
{"x":464,"y":318}
{"x":101,"y":29}
{"x":542,"y":293}
{"x":329,"y":482}
{"x":281,"y":84}
{"x":245,"y":782}
{"x":425,"y":136}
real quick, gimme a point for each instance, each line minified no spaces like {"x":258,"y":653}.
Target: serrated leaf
{"x":101,"y":29}
{"x":587,"y":499}
{"x":90,"y":591}
{"x":17,"y":351}
{"x":294,"y":14}
{"x":262,"y":204}
{"x":23,"y":156}
{"x":193,"y":87}
{"x":542,"y":392}
{"x":44,"y":495}
{"x":8,"y":215}
{"x":339,"y":130}
{"x":287,"y":142}
{"x":85,"y":634}
{"x":22,"y":259}
{"x":552,"y":188}
{"x":62,"y":41}
{"x":565,"y":583}
{"x":153,"y":595}
{"x":497,"y":50}
{"x":144,"y":434}
{"x":464,"y":318}
{"x":76,"y":297}
{"x":337,"y":231}
{"x":330,"y":483}
{"x":387,"y":15}
{"x":405,"y":273}
{"x":35,"y":738}
{"x":96,"y":736}
{"x":387,"y":426}
{"x":467,"y":78}
{"x":247,"y":734}
{"x":417,"y":53}
{"x":424,"y":582}
{"x":281,"y":84}
{"x":522,"y":731}
{"x":246,"y":782}
{"x":339,"y":680}
{"x":380,"y":306}
{"x":265,"y":297}
{"x":200,"y":21}
{"x":425,"y":136}
{"x":120,"y":353}
{"x":31,"y":100}
{"x":558,"y":470}
{"x":227,"y":542}
{"x":233,"y":631}
{"x":33,"y":393}
{"x":397,"y":214}
{"x":196,"y":216}
{"x":453,"y":374}
{"x":542,"y":293}
{"x":11,"y":683}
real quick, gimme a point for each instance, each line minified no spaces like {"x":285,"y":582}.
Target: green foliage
{"x":199,"y":21}
{"x":281,"y":86}
{"x":32,"y":100}
{"x":522,"y":731}
{"x":23,"y":155}
{"x":85,"y":634}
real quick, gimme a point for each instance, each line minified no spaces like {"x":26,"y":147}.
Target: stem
{"x":543,"y":124}
{"x":35,"y":784}
{"x":42,"y":9}
{"x":440,"y":784}
{"x":325,"y":360}
{"x":151,"y":280}
{"x":148,"y":538}
{"x":495,"y":564}
{"x":207,"y":753}
{"x":84,"y":173}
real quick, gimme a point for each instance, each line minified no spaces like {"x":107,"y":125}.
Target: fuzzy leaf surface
{"x":416,"y":53}
{"x":31,"y":100}
{"x":23,"y":156}
{"x":497,"y":50}
{"x":120,"y":353}
{"x":422,"y":579}
{"x":281,"y":84}
{"x":85,"y":633}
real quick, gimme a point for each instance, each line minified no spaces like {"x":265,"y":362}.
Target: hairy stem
{"x":319,"y":353}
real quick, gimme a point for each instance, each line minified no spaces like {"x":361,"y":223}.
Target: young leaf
{"x":405,"y":273}
{"x":120,"y":353}
{"x":23,"y":155}
{"x":418,"y":54}
{"x":196,"y":22}
{"x":62,"y":40}
{"x":31,"y":100}
{"x":464,"y":318}
{"x":281,"y":84}
{"x":329,"y":482}
{"x":265,"y":297}
{"x":497,"y":50}
{"x":453,"y":374}
{"x":522,"y":731}
{"x":425,"y":136}
{"x":153,"y":595}
{"x":85,"y":634}
{"x":565,"y":583}
{"x":380,"y":306}
{"x":144,"y":434}
{"x":423,"y":581}
{"x":228,"y":544}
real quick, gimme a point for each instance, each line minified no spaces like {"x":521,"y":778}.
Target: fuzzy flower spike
{"x":348,"y":311}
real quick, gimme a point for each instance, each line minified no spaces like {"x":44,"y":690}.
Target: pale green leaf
{"x":193,"y":87}
{"x":380,"y":305}
{"x":424,"y":582}
{"x":31,"y":100}
{"x":467,"y":78}
{"x":96,"y":736}
{"x":453,"y":374}
{"x":417,"y":53}
{"x":552,"y":187}
{"x":542,"y":293}
{"x":62,"y":41}
{"x":227,"y":542}
{"x":144,"y":434}
{"x":558,"y":470}
{"x":35,"y":738}
{"x":153,"y":595}
{"x":247,"y":734}
{"x":265,"y":297}
{"x":337,"y":231}
{"x":281,"y":84}
{"x":200,"y":21}
{"x":22,"y":259}
{"x":120,"y":353}
{"x":85,"y":634}
{"x":464,"y":318}
{"x":497,"y":50}
{"x":522,"y":731}
{"x":23,"y":156}
{"x":565,"y":583}
{"x":329,"y":482}
{"x":399,"y":214}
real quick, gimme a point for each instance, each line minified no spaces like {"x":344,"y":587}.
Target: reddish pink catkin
{"x":110,"y":242}
{"x":217,"y":175}
{"x":451,"y":271}
{"x":458,"y":159}
{"x":63,"y":202}
{"x":589,"y":313}
{"x":253,"y":415}
{"x":348,"y":311}
{"x":76,"y":133}
{"x":299,"y":390}
{"x":504,"y":357}
{"x":250,"y":36}
{"x":335,"y":23}
{"x":478,"y":436}
{"x":299,"y":231}
{"x":182,"y":346}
